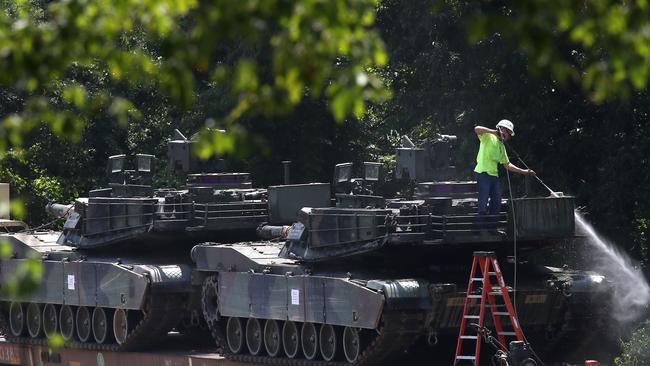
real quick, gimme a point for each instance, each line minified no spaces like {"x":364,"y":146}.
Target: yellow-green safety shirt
{"x":491,"y":153}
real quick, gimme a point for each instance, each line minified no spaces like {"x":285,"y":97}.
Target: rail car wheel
{"x":121,"y":325}
{"x":309,"y":341}
{"x":50,"y":320}
{"x":16,"y":319}
{"x":290,"y":339}
{"x":101,"y":330}
{"x":235,"y":335}
{"x":66,"y":322}
{"x":34,"y":321}
{"x":84,"y":324}
{"x":272,"y":338}
{"x":254,"y":336}
{"x":329,"y":342}
{"x":351,"y":344}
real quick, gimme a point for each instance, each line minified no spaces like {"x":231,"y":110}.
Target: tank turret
{"x":130,"y":210}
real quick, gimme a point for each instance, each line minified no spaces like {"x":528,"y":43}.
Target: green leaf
{"x":340,"y":105}
{"x":5,"y":249}
{"x":55,"y":341}
{"x":17,"y":208}
{"x":75,"y":94}
{"x":245,"y":77}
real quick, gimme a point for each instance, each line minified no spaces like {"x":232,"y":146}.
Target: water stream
{"x":631,"y":290}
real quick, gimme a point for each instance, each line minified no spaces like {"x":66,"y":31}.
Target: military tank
{"x":364,"y":282}
{"x":119,"y":275}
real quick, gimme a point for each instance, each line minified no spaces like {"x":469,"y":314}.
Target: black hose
{"x":514,"y":235}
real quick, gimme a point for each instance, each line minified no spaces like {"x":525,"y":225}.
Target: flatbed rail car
{"x":39,"y":355}
{"x":175,"y":355}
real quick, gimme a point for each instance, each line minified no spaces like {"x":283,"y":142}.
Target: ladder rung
{"x":507,"y":333}
{"x":492,"y":273}
{"x":496,"y":294}
{"x":468,"y":337}
{"x":474,"y":296}
{"x":477,"y":279}
{"x":501,"y":313}
{"x":472,"y":316}
{"x":465,"y":357}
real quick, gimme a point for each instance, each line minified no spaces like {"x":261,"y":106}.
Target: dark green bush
{"x":636,"y":352}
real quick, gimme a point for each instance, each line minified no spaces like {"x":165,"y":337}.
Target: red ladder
{"x":486,"y":262}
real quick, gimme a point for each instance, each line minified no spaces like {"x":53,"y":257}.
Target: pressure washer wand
{"x":527,"y":167}
{"x":547,"y":187}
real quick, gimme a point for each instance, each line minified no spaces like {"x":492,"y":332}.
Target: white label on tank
{"x":295,"y":297}
{"x":70,"y":282}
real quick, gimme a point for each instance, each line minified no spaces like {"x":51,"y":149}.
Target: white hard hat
{"x":508,"y":125}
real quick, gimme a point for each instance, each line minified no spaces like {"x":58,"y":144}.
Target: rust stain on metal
{"x":10,"y":354}
{"x":535,"y":299}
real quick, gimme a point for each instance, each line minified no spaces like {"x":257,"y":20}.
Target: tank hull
{"x":252,"y":285}
{"x":93,"y":300}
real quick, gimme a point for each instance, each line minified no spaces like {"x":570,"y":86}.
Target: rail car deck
{"x":36,"y":355}
{"x":172,"y":355}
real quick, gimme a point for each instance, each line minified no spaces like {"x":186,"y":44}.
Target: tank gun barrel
{"x":59,"y":209}
{"x":268,"y":232}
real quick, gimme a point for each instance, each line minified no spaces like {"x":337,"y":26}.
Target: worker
{"x":491,"y":153}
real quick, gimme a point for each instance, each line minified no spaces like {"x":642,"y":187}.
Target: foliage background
{"x":595,"y":149}
{"x":572,"y":76}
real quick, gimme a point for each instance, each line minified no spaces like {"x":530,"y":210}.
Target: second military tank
{"x":361,"y":283}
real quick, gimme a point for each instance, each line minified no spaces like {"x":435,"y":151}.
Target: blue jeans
{"x":488,"y":187}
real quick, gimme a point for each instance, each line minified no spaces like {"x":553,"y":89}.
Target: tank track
{"x":396,"y":333}
{"x":161,"y":314}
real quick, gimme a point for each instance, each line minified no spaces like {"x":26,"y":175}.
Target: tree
{"x":307,"y":48}
{"x":601,"y":45}
{"x":636,"y":352}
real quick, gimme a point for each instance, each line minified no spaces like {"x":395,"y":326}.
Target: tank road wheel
{"x":272,"y":338}
{"x":121,"y":325}
{"x":84,"y":324}
{"x":16,"y":319}
{"x":309,"y":340}
{"x":50,"y":320}
{"x":290,"y":339}
{"x":351,"y":344}
{"x":34,"y":321}
{"x":254,"y":336}
{"x":101,"y":329}
{"x":235,"y":335}
{"x":66,"y":322}
{"x":329,"y":342}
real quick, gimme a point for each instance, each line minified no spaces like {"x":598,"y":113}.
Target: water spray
{"x":631,"y":289}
